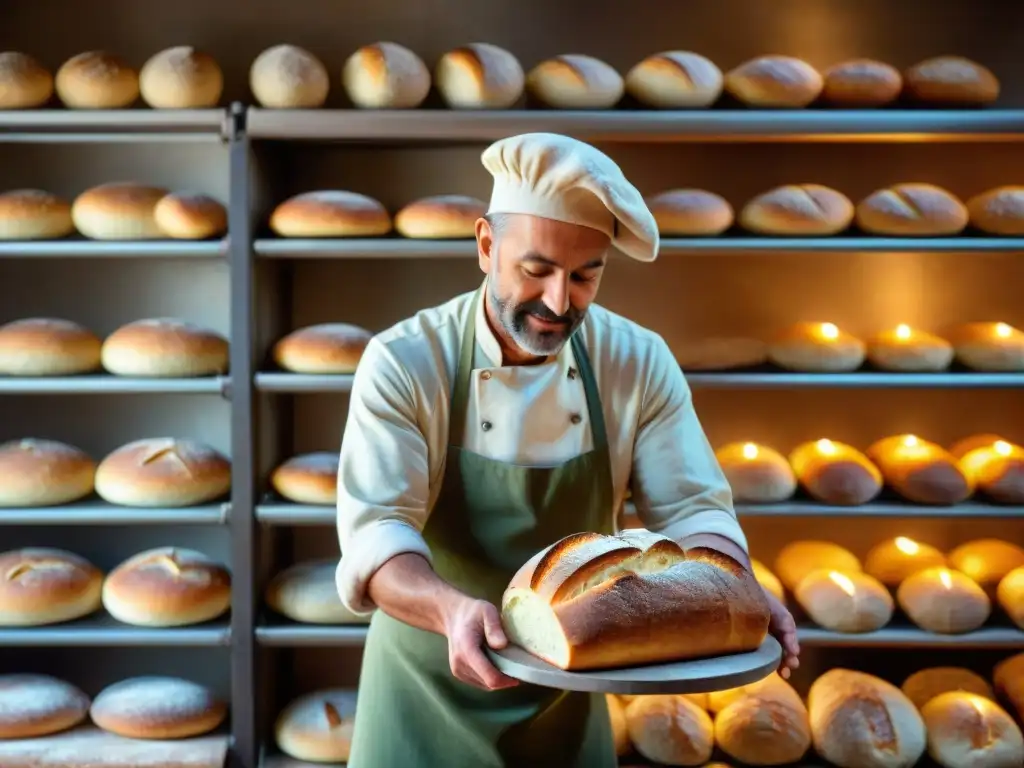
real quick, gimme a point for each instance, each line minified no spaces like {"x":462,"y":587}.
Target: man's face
{"x":542,"y":277}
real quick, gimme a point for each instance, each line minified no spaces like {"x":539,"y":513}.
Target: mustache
{"x":541,"y":310}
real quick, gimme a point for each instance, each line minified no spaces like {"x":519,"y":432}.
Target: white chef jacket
{"x":396,"y":435}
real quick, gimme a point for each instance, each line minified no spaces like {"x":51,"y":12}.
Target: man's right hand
{"x":469,"y":624}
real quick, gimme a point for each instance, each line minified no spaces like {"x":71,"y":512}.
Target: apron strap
{"x":594,"y":409}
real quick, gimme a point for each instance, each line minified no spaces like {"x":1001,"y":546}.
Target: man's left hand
{"x":783,"y":628}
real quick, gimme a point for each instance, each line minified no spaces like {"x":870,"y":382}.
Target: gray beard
{"x":513,"y":321}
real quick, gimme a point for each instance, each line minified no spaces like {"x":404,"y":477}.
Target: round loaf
{"x":845,"y":602}
{"x":32,"y":214}
{"x":969,"y":730}
{"x":962,"y":447}
{"x":774,"y":81}
{"x":181,"y":77}
{"x":989,"y":346}
{"x":38,"y":705}
{"x":385,"y":76}
{"x":1010,"y":595}
{"x":163,"y":472}
{"x":310,"y":478}
{"x":722,"y":354}
{"x":799,"y":558}
{"x":575,"y":81}
{"x":951,"y":81}
{"x":157,"y":708}
{"x":943,"y":601}
{"x":479,"y":76}
{"x":289,"y":77}
{"x":816,"y":347}
{"x":763,"y":731}
{"x":24,"y":82}
{"x":770,"y":688}
{"x":167,"y":587}
{"x":919,"y":470}
{"x":97,"y":80}
{"x":42,"y":346}
{"x":165,"y":347}
{"x":307,"y":593}
{"x":861,"y":83}
{"x":318,"y":726}
{"x":330,"y":213}
{"x":620,"y":731}
{"x":756,"y":473}
{"x":798,"y":209}
{"x":118,"y":211}
{"x":767,"y":579}
{"x":908,"y":350}
{"x":190,"y":216}
{"x":440,"y":217}
{"x":925,"y":684}
{"x":41,"y":586}
{"x":998,"y":211}
{"x":996,"y":468}
{"x":43,"y":473}
{"x":690,"y":213}
{"x":670,"y":729}
{"x":893,"y":560}
{"x":835,"y":473}
{"x":331,"y":348}
{"x":986,"y":561}
{"x":912,"y":210}
{"x":675,"y":80}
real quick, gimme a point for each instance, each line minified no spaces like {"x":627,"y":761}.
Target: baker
{"x":485,"y":429}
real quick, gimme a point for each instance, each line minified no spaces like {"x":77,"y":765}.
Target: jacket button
{"x":575,"y":418}
{"x":485,"y":425}
{"x":485,"y":375}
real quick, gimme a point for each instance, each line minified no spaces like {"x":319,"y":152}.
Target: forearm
{"x":406,"y":588}
{"x":719,"y":544}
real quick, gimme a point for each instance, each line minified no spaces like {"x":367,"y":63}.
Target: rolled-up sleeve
{"x":678,"y":487}
{"x":383,"y":476}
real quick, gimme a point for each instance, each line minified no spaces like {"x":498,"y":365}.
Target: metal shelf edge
{"x":879,"y":509}
{"x":111,"y":635}
{"x":115,"y":121}
{"x":120,"y":249}
{"x":100,"y":384}
{"x":298,"y":382}
{"x":311,"y":635}
{"x":859,"y":379}
{"x":101,"y":513}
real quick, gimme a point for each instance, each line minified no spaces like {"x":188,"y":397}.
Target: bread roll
{"x":964,"y":729}
{"x":311,"y":478}
{"x":861,"y":721}
{"x":998,"y":211}
{"x":845,"y":602}
{"x":893,"y":560}
{"x":986,"y":561}
{"x":591,"y":601}
{"x":38,"y":705}
{"x":24,"y":82}
{"x":770,"y":688}
{"x":861,"y":83}
{"x":943,"y":601}
{"x":690,"y":213}
{"x":763,"y":732}
{"x":620,"y":730}
{"x":995,"y":347}
{"x":670,"y":730}
{"x":32,"y":214}
{"x":675,"y":80}
{"x":906,"y":349}
{"x":817,"y":348}
{"x":97,"y":80}
{"x":722,"y":354}
{"x":163,"y":472}
{"x":835,"y":473}
{"x":914,"y":210}
{"x":920,"y":471}
{"x":479,"y":76}
{"x":775,"y":82}
{"x":167,"y":587}
{"x":799,"y":558}
{"x":330,"y":213}
{"x":328,"y":348}
{"x":43,"y":473}
{"x":798,"y":209}
{"x":575,"y":81}
{"x":995,"y":467}
{"x":318,"y":727}
{"x":1008,"y":678}
{"x":181,"y":77}
{"x":767,"y":579}
{"x":307,"y":592}
{"x":289,"y":77}
{"x":46,"y":586}
{"x":925,"y":684}
{"x":165,"y":347}
{"x":756,"y":473}
{"x":157,"y":708}
{"x":43,"y":346}
{"x":1010,"y":594}
{"x":951,"y":81}
{"x":118,"y":211}
{"x":189,"y":216}
{"x":440,"y":217}
{"x":700,"y":699}
{"x":385,"y":76}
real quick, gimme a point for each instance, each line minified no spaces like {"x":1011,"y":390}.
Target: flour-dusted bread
{"x":764,"y":731}
{"x":835,"y":473}
{"x":40,"y":586}
{"x":163,"y":347}
{"x":591,"y":601}
{"x":675,"y":80}
{"x":38,"y":705}
{"x":181,"y":77}
{"x":575,"y":81}
{"x":969,"y":730}
{"x":306,"y":592}
{"x":914,"y":209}
{"x":944,"y":601}
{"x":33,"y":214}
{"x":326,"y":348}
{"x":756,"y":473}
{"x":310,"y":478}
{"x":154,"y":707}
{"x":893,"y":560}
{"x":861,"y":83}
{"x":288,"y":77}
{"x":330,"y":213}
{"x":119,"y":210}
{"x":845,"y":602}
{"x":97,"y":80}
{"x":774,"y":82}
{"x":44,"y":346}
{"x":318,"y":726}
{"x":190,"y":216}
{"x":385,"y":76}
{"x":440,"y":217}
{"x":163,"y":472}
{"x":43,"y":473}
{"x":919,"y":470}
{"x":925,"y":684}
{"x":690,"y":212}
{"x":951,"y":81}
{"x":799,"y":558}
{"x":770,"y":688}
{"x":479,"y":76}
{"x":670,"y":730}
{"x":811,"y":210}
{"x":998,"y":211}
{"x":24,"y":82}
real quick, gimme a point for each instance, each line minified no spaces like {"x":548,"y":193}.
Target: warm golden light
{"x":829,"y":331}
{"x":749,"y":451}
{"x":826,"y":446}
{"x":946,"y":578}
{"x":1002,"y":447}
{"x":843,"y":582}
{"x":907,"y":546}
{"x":903,"y":331}
{"x":1003,"y":331}
{"x":910,"y":441}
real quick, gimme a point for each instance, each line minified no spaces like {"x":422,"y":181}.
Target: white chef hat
{"x":556,"y":177}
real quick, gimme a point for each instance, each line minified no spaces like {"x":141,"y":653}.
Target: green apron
{"x":489,"y":519}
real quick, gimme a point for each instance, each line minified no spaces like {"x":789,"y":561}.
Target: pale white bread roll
{"x":318,"y":726}
{"x":925,"y":684}
{"x":763,"y":731}
{"x":845,"y":602}
{"x":1008,"y":679}
{"x":620,"y":729}
{"x":306,"y":592}
{"x":893,"y":560}
{"x":479,"y":76}
{"x":41,"y":586}
{"x":38,"y":705}
{"x":167,"y":587}
{"x":289,"y":77}
{"x":770,"y":688}
{"x":952,"y":81}
{"x":1010,"y":595}
{"x":756,"y":473}
{"x":675,"y":80}
{"x":835,"y":473}
{"x":986,"y":561}
{"x":154,"y":707}
{"x":575,"y":81}
{"x":385,"y":76}
{"x":721,"y":354}
{"x":118,"y":211}
{"x":690,"y":212}
{"x":798,"y":209}
{"x":799,"y":558}
{"x":163,"y":472}
{"x":43,"y":473}
{"x":969,"y":730}
{"x":43,"y":346}
{"x":329,"y":348}
{"x":944,"y":601}
{"x":907,"y":349}
{"x":190,"y":216}
{"x":670,"y":730}
{"x":440,"y":217}
{"x":309,"y":478}
{"x":914,"y":210}
{"x":919,"y":470}
{"x":24,"y":82}
{"x":97,"y":80}
{"x":767,"y":579}
{"x":998,"y":211}
{"x":995,"y":466}
{"x":181,"y":77}
{"x":591,"y":601}
{"x":989,"y":346}
{"x":817,"y":348}
{"x":330,"y":213}
{"x":861,"y":83}
{"x":165,"y":347}
{"x":33,"y":214}
{"x":774,"y":81}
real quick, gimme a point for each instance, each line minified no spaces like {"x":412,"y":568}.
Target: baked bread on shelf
{"x":774,"y":82}
{"x":44,"y":346}
{"x":925,"y":684}
{"x":807,"y":210}
{"x":289,"y":77}
{"x":479,"y":76}
{"x":43,"y":473}
{"x":799,"y":558}
{"x":905,"y":349}
{"x":816,"y":348}
{"x":675,"y":80}
{"x":845,"y":602}
{"x":951,"y":81}
{"x":756,"y":473}
{"x":385,"y":75}
{"x":998,"y":211}
{"x":690,"y":213}
{"x":920,"y":471}
{"x":835,"y":473}
{"x":994,"y":347}
{"x":318,"y":726}
{"x":670,"y":730}
{"x":912,"y":210}
{"x":309,"y":478}
{"x":893,"y":560}
{"x":24,"y":82}
{"x":34,"y":214}
{"x":944,"y":601}
{"x":43,"y":585}
{"x":307,"y":593}
{"x":861,"y":83}
{"x":575,"y":81}
{"x":153,"y":707}
{"x":969,"y":730}
{"x":995,"y":466}
{"x":326,"y":348}
{"x":33,"y":705}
